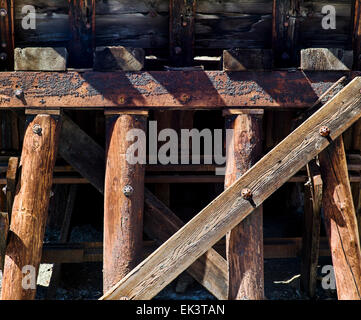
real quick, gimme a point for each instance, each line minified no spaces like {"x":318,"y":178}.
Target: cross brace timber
{"x":165,"y":89}
{"x":229,"y":209}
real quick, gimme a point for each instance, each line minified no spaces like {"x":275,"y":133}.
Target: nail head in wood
{"x":128,"y":190}
{"x":247,"y":194}
{"x":19,"y":93}
{"x":3,"y":12}
{"x":37,"y":129}
{"x":325,"y":131}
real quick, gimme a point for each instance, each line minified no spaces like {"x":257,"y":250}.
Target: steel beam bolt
{"x":3,"y":12}
{"x":325,"y":131}
{"x":37,"y":129}
{"x":247,"y":194}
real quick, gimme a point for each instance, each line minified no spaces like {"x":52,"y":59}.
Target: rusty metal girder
{"x":165,"y":89}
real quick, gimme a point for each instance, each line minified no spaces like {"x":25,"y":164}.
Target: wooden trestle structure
{"x":99,"y":65}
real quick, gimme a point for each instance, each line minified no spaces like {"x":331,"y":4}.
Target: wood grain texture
{"x":229,"y":209}
{"x":30,"y":207}
{"x":123,"y":215}
{"x":4,"y":229}
{"x":340,"y":222}
{"x":245,"y":241}
{"x":311,"y":231}
{"x":210,"y":270}
{"x":11,"y":182}
{"x":7,"y":36}
{"x":181,"y":31}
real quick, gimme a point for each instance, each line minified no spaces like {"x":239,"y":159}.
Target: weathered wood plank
{"x":247,"y":59}
{"x":326,"y":59}
{"x":170,"y":89}
{"x":311,"y":231}
{"x":229,"y":209}
{"x":341,"y":222}
{"x":118,"y":58}
{"x":30,"y":207}
{"x":210,"y":270}
{"x":40,"y":59}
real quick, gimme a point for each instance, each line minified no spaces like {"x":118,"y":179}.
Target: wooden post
{"x":356,"y":35}
{"x":11,"y":180}
{"x":245,"y":242}
{"x":285,"y":32}
{"x":311,"y":231}
{"x":82,"y":27}
{"x":123,"y":198}
{"x":31,"y":202}
{"x":7,"y":35}
{"x":4,"y":229}
{"x":340,"y":221}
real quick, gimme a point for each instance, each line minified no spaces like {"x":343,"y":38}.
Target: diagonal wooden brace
{"x":229,"y":209}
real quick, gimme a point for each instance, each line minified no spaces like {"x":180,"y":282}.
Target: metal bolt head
{"x":37,"y":129}
{"x":247,"y":194}
{"x":19,"y":93}
{"x":178,"y":50}
{"x":3,"y":12}
{"x":184,"y":24}
{"x":325,"y":131}
{"x":128,"y":190}
{"x":3,"y":56}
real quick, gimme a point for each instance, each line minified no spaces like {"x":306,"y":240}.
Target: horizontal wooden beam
{"x":230,"y":208}
{"x":165,"y":89}
{"x":274,"y":248}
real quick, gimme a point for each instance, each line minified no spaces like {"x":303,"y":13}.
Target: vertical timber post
{"x":123,"y":196}
{"x":30,"y":207}
{"x":285,"y":32}
{"x":311,"y":229}
{"x":7,"y":35}
{"x":82,"y":27}
{"x":340,"y":221}
{"x":245,"y":242}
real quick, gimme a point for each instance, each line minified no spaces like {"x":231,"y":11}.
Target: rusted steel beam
{"x":165,"y":89}
{"x":6,"y":34}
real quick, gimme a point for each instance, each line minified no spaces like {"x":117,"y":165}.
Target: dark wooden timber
{"x":311,"y":231}
{"x":356,"y":35}
{"x":82,"y":33}
{"x":181,"y":31}
{"x":245,"y":241}
{"x":7,"y":35}
{"x":166,"y":90}
{"x":285,"y":27}
{"x":31,"y":202}
{"x":340,"y":222}
{"x":123,"y":213}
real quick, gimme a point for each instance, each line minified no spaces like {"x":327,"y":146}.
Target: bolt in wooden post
{"x":245,"y":242}
{"x":123,"y":199}
{"x":340,"y":221}
{"x":30,"y":207}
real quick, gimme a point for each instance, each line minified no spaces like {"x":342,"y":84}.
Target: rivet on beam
{"x":37,"y":129}
{"x":247,"y":194}
{"x":128,"y":190}
{"x":325,"y":131}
